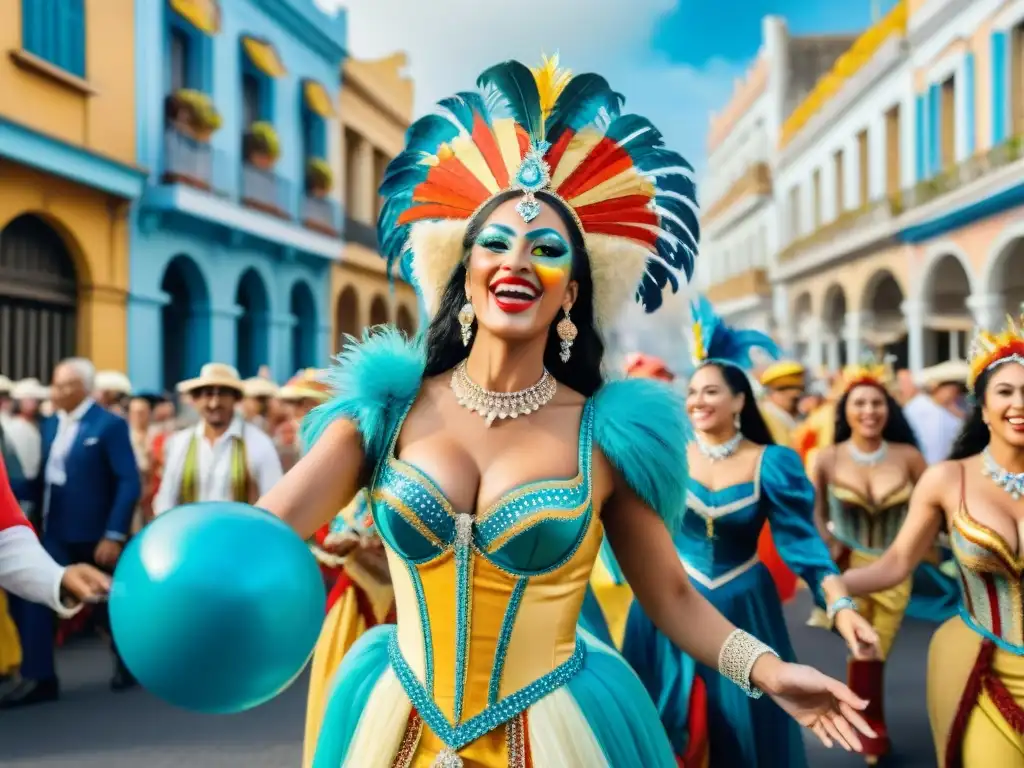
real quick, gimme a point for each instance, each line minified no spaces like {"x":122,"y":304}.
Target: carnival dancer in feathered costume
{"x":739,"y":480}
{"x":863,"y":483}
{"x":496,"y":456}
{"x":976,"y":660}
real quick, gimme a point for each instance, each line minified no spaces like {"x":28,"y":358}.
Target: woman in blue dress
{"x":738,"y":480}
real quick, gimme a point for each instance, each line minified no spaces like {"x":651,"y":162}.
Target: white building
{"x":739,"y":220}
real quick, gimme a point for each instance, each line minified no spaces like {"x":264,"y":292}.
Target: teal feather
{"x":517,"y":94}
{"x":585,"y":100}
{"x":640,"y":426}
{"x":464,"y":107}
{"x":376,"y":378}
{"x":725,"y":344}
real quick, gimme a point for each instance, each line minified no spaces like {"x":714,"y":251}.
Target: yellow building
{"x":67,"y":164}
{"x":376,"y":109}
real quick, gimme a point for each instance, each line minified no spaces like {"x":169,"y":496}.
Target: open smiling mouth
{"x":514,"y":294}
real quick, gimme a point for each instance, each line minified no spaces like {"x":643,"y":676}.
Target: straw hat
{"x":113,"y":381}
{"x":306,"y":385}
{"x":784,"y":374}
{"x":257,"y":386}
{"x":949,"y":372}
{"x":214,"y":375}
{"x":29,"y":389}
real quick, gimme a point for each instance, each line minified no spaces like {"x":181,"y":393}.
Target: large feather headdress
{"x":543,"y":130}
{"x":989,"y":350}
{"x":715,"y":342}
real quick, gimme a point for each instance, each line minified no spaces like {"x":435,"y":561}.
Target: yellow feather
{"x":551,"y":81}
{"x":508,"y":144}
{"x":627,"y":182}
{"x":698,"y":343}
{"x":579,"y":147}
{"x":469,"y":155}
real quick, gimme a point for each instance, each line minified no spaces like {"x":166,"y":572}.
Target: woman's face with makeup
{"x":518,"y":274}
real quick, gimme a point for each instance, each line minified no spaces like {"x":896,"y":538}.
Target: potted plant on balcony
{"x":319,"y":179}
{"x":193,"y":114}
{"x":262,"y":146}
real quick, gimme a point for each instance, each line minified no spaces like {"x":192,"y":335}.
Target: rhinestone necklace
{"x":1010,"y":482}
{"x":872,"y":459}
{"x":720,"y":451}
{"x":501,"y":405}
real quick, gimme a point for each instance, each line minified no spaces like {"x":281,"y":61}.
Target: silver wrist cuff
{"x":739,"y":652}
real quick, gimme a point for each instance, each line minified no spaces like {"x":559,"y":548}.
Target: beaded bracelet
{"x":841,"y":604}
{"x":736,"y":659}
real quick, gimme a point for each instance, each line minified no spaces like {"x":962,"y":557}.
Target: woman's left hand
{"x":858,"y":633}
{"x":816,"y":701}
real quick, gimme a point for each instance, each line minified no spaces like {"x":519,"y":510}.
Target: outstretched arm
{"x":647,"y":556}
{"x":325,"y":480}
{"x":916,"y":536}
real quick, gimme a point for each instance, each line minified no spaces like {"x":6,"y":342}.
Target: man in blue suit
{"x":87,"y":491}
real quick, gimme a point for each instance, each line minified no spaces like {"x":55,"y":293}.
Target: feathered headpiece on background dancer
{"x":715,"y":342}
{"x":543,"y":130}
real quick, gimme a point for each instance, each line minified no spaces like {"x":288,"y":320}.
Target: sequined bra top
{"x":863,"y":524}
{"x":990,"y":579}
{"x":487,"y":604}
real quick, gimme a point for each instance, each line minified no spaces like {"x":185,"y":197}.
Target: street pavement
{"x":93,"y":728}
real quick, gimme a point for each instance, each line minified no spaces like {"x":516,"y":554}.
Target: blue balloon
{"x":216,"y":607}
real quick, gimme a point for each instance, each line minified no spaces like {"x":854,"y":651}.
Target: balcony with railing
{"x":361,"y":233}
{"x":880,"y":210}
{"x":964,"y":173}
{"x":321,"y":214}
{"x":191,"y":162}
{"x":266,"y":191}
{"x":755,"y":182}
{"x":752,"y":283}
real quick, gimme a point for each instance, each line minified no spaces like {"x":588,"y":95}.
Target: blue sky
{"x":675,"y":60}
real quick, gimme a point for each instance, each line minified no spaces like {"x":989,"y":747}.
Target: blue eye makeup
{"x":548,"y":243}
{"x":496,"y":237}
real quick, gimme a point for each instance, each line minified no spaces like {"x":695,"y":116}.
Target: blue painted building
{"x":235,"y":234}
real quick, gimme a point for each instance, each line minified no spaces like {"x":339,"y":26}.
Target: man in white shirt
{"x":935,"y":416}
{"x":222,"y":458}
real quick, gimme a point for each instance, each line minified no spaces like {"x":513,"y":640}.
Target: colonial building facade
{"x":376,"y":109}
{"x":901,"y":188}
{"x":69,"y":173}
{"x":887,"y":202}
{"x":740,"y":230}
{"x":240,"y":225}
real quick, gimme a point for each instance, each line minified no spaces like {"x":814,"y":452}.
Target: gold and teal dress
{"x":976,"y":659}
{"x":486,"y":666}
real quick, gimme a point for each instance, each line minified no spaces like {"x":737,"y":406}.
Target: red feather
{"x":557,"y":151}
{"x":432,"y":211}
{"x":604,"y":153}
{"x":434,"y":192}
{"x":627,"y":215}
{"x":484,"y":139}
{"x":629,"y":231}
{"x":457,"y":178}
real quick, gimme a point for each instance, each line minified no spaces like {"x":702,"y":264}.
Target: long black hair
{"x":582,"y":373}
{"x":896,"y":430}
{"x":752,"y":423}
{"x":974,"y":435}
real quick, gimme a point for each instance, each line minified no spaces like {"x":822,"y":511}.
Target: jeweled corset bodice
{"x":990,"y":579}
{"x":487,"y":605}
{"x":862,"y":524}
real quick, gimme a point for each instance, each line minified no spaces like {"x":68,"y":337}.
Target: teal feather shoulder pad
{"x":376,"y":378}
{"x":640,"y":425}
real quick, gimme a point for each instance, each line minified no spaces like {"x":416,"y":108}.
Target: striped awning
{"x":318,"y":99}
{"x":264,"y":57}
{"x":204,"y":15}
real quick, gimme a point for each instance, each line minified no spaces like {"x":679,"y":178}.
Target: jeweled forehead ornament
{"x":533,"y":175}
{"x":990,"y":350}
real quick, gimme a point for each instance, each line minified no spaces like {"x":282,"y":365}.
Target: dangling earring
{"x":466,"y":318}
{"x":736,"y":420}
{"x":567,"y":332}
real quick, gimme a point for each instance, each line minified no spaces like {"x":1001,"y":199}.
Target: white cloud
{"x":449,"y":42}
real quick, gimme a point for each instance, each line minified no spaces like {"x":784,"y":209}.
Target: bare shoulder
{"x":941,"y":480}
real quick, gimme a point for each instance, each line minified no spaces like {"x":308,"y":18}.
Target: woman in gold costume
{"x":496,"y":458}
{"x":976,"y":660}
{"x":863,"y":484}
